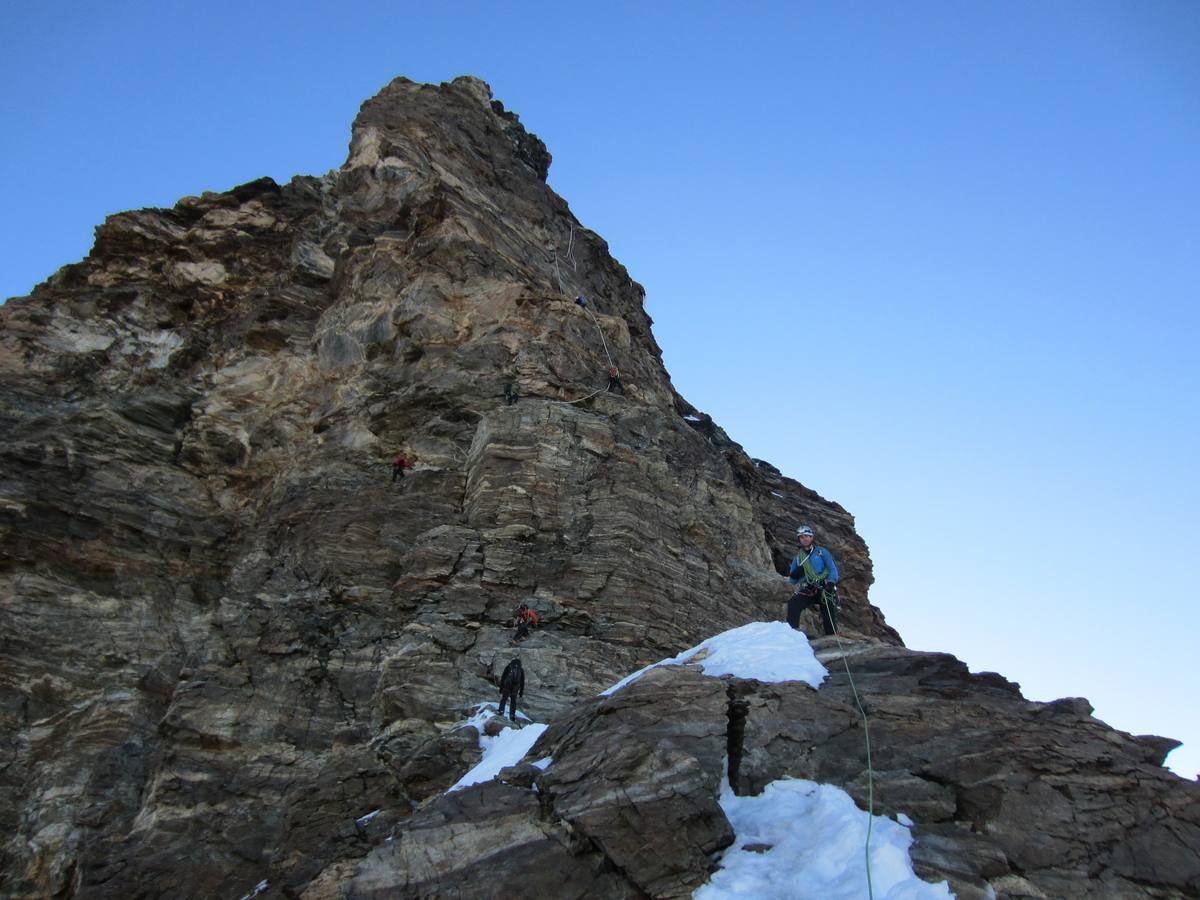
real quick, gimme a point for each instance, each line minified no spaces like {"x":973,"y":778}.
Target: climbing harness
{"x":810,"y":572}
{"x":825,"y":599}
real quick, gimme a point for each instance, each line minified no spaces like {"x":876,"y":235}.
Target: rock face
{"x":1017,"y":798}
{"x":228,"y":636}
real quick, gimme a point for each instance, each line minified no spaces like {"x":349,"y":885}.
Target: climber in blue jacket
{"x":814,"y":570}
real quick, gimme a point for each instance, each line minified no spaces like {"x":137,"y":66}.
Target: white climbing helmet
{"x":804,"y":530}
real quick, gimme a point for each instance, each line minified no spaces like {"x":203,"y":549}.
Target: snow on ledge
{"x":505,"y":749}
{"x":764,"y":651}
{"x":800,"y":839}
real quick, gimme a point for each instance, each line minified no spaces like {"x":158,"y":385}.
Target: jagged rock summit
{"x":229,"y":635}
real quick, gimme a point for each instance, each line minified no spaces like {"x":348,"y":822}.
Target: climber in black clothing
{"x":614,"y":381}
{"x":512,"y":686}
{"x":510,"y":394}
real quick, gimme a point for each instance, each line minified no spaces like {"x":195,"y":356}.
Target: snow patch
{"x":505,"y":749}
{"x":811,"y":837}
{"x":764,"y":651}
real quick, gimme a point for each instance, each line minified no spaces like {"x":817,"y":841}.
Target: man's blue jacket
{"x":822,"y":561}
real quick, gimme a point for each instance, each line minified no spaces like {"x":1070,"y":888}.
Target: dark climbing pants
{"x":397,"y":472}
{"x":801,"y":601}
{"x":510,"y":699}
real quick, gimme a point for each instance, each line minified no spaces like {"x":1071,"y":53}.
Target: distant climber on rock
{"x":581,"y":301}
{"x":614,"y":381}
{"x":523,"y":619}
{"x":510,"y":393}
{"x":814,"y":570}
{"x":512,"y":686}
{"x":399,"y":464}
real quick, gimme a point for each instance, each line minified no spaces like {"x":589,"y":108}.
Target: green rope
{"x":867,"y":735}
{"x":810,"y":571}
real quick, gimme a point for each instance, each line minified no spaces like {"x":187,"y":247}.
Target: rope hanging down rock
{"x":867,"y":737}
{"x":563,"y":291}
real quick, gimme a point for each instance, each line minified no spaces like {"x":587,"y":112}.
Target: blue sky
{"x":938,"y":261}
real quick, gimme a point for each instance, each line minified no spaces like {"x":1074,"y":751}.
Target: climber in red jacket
{"x":523,"y":618}
{"x":399,"y":464}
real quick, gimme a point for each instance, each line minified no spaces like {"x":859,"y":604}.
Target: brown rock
{"x":487,"y":840}
{"x":1000,"y":788}
{"x":522,"y":775}
{"x":229,"y":635}
{"x":435,"y":765}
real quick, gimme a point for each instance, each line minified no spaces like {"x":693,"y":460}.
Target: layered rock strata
{"x":234,"y":649}
{"x":1010,"y":798}
{"x":227,"y":633}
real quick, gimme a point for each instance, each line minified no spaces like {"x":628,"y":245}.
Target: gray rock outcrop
{"x":1010,"y":798}
{"x":229,"y":637}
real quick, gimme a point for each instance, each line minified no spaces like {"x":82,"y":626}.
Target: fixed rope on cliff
{"x":581,"y":300}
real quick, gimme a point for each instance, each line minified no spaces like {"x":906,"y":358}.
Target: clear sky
{"x":937,"y":260}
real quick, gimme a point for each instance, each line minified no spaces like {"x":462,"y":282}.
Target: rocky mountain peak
{"x":233,"y":627}
{"x":406,"y":108}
